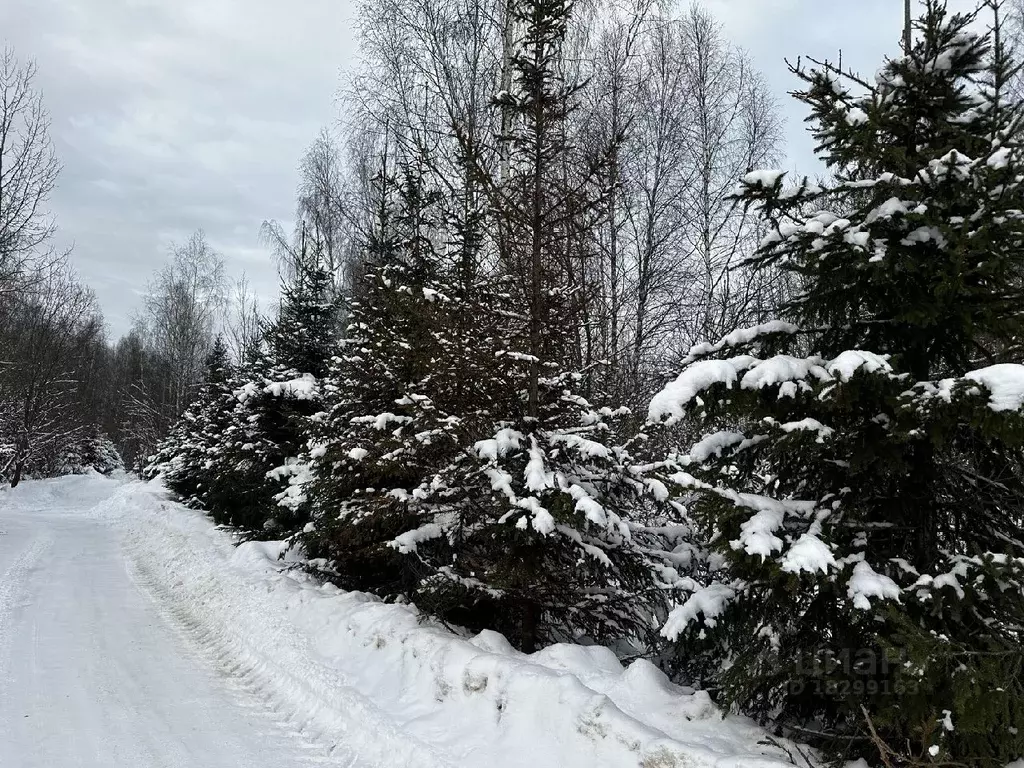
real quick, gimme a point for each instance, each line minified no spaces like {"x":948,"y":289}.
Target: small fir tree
{"x":280,"y":396}
{"x":184,"y":457}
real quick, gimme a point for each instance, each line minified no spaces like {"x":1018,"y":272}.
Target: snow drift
{"x":378,"y":685}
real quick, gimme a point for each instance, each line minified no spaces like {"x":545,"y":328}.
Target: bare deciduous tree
{"x":244,"y":324}
{"x":48,"y":336}
{"x":28,"y":169}
{"x":670,"y":113}
{"x":694,"y":117}
{"x":1011,"y":15}
{"x":181,"y":310}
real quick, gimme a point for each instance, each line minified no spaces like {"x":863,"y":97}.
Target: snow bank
{"x":389,"y":689}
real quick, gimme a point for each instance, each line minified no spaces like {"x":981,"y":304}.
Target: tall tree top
{"x":914,"y":249}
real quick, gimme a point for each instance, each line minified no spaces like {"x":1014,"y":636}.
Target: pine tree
{"x":862,"y":480}
{"x":368,"y":443}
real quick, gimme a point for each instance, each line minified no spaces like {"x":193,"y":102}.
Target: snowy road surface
{"x":92,"y":674}
{"x":135,"y":634}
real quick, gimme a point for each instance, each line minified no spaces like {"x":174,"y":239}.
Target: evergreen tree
{"x":94,"y":451}
{"x":535,"y":532}
{"x":236,"y":449}
{"x":277,"y":396}
{"x":187,"y":458}
{"x":862,"y":480}
{"x":523,"y":522}
{"x":380,"y":428}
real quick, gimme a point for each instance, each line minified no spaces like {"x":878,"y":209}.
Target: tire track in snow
{"x":303,"y":697}
{"x":239,"y":680}
{"x":12,"y":585}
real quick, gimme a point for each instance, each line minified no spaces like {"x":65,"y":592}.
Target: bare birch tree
{"x":693,"y":116}
{"x":670,"y":114}
{"x":243,"y":324}
{"x":181,"y":310}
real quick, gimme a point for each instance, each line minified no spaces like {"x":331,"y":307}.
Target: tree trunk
{"x":537,"y":247}
{"x":19,"y":467}
{"x":908,"y":27}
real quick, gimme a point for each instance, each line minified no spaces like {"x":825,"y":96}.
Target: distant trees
{"x":243,"y":325}
{"x":50,"y":335}
{"x":1012,"y":15}
{"x":236,"y":449}
{"x":52,"y":349}
{"x":324,"y":226}
{"x":682,"y":113}
{"x":180,"y":312}
{"x":66,"y":393}
{"x":165,"y":352}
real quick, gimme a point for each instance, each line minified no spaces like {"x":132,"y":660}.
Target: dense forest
{"x":557,"y":354}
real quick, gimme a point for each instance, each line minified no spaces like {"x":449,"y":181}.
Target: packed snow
{"x":97,"y":673}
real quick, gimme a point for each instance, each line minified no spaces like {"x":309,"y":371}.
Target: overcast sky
{"x":174,"y":115}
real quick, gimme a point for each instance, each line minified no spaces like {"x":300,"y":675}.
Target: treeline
{"x":52,"y":390}
{"x":463,"y":403}
{"x":69,"y":399}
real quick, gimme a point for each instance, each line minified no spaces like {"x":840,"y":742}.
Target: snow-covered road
{"x":92,"y":674}
{"x":135,"y":634}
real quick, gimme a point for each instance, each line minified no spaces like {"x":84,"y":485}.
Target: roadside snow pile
{"x":391,"y":690}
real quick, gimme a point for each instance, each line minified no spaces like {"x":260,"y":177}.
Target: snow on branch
{"x":709,"y":602}
{"x":739,"y":337}
{"x":1004,"y":383}
{"x":752,"y":374}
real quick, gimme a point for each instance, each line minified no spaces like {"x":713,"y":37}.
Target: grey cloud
{"x":174,"y":116}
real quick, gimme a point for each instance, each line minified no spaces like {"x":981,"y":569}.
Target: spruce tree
{"x":861,"y":482}
{"x":526,"y":527}
{"x":277,"y":396}
{"x":379,"y":426}
{"x":236,"y":450}
{"x":185,"y":457}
